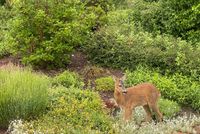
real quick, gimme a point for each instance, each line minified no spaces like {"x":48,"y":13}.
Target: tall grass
{"x":23,"y":94}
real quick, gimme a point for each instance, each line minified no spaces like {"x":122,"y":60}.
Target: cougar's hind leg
{"x":127,"y":114}
{"x":158,"y":113}
{"x":148,"y":117}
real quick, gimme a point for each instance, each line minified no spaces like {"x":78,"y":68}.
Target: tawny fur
{"x":145,"y":94}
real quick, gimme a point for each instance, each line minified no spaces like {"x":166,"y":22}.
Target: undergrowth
{"x":23,"y":94}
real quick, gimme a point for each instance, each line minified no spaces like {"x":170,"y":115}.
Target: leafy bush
{"x":168,"y":16}
{"x":5,"y":40}
{"x":168,"y":108}
{"x":106,"y":5}
{"x":79,"y":107}
{"x":147,"y":15}
{"x":72,"y":111}
{"x":183,"y":18}
{"x":175,"y":87}
{"x":2,"y":2}
{"x":46,"y":32}
{"x":23,"y":94}
{"x":68,"y":79}
{"x":126,"y":48}
{"x":124,"y":43}
{"x":104,"y":84}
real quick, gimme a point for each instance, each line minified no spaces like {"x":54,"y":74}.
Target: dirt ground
{"x":2,"y":131}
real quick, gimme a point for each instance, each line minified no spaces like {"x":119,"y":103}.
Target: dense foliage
{"x":72,"y":111}
{"x":46,"y":33}
{"x":5,"y":40}
{"x":168,"y":108}
{"x":2,"y":2}
{"x":128,"y":46}
{"x":23,"y":95}
{"x":180,"y":19}
{"x":68,"y":79}
{"x":104,"y":84}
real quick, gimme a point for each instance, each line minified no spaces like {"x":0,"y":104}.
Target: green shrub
{"x":147,"y":15}
{"x":6,"y":41}
{"x":124,"y":42}
{"x":177,"y":87}
{"x":68,"y":79}
{"x":106,"y":5}
{"x":79,"y":107}
{"x":72,"y":111}
{"x":46,"y":32}
{"x":182,"y":18}
{"x":168,"y":16}
{"x":194,"y":96}
{"x":23,"y":94}
{"x":2,"y":2}
{"x":168,"y":108}
{"x":104,"y":84}
{"x":120,"y":44}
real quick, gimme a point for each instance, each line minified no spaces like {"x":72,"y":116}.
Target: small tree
{"x":46,"y":32}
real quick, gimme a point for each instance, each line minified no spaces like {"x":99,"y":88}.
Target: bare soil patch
{"x":6,"y":60}
{"x":2,"y":131}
